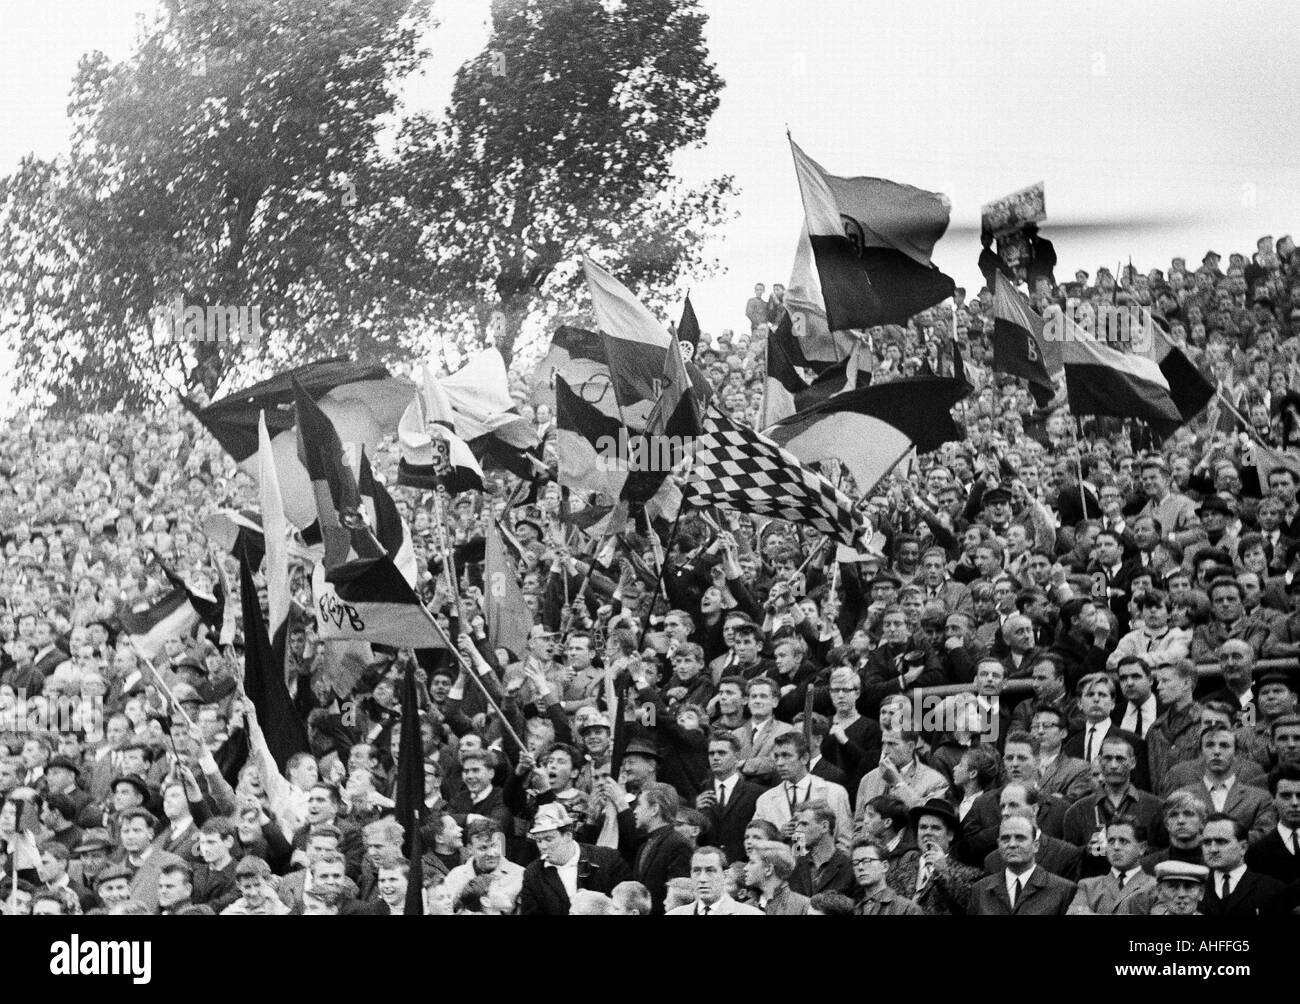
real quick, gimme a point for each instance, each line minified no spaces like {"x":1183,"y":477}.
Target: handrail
{"x":1022,"y":686}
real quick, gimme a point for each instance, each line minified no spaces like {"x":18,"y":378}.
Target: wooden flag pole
{"x":470,"y":671}
{"x":158,"y":676}
{"x":659,"y":582}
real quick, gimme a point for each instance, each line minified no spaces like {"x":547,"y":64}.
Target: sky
{"x":1177,"y":114}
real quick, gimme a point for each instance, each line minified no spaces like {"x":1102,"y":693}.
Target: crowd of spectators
{"x":1069,"y":685}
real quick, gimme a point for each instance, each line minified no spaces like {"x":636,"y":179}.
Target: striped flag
{"x":872,"y":240}
{"x":375,"y":604}
{"x":870,"y":429}
{"x":364,"y":403}
{"x":170,"y":617}
{"x":432,"y":453}
{"x":1100,"y":380}
{"x":1019,"y":347}
{"x":736,"y":468}
{"x":484,"y":416}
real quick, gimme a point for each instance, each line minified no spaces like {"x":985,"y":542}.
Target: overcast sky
{"x":1182,"y":112}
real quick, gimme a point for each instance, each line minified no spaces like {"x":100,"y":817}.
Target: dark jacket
{"x":655,"y":857}
{"x":1044,"y":895}
{"x":727,"y":825}
{"x":543,"y":894}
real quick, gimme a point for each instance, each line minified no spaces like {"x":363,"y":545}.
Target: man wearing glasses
{"x":870,"y":862}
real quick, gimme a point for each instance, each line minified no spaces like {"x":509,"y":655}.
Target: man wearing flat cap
{"x":1179,"y":888}
{"x":565,"y":866}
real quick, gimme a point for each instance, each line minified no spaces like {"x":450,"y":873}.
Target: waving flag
{"x":872,"y":240}
{"x":432,"y":453}
{"x":484,"y":416}
{"x":364,"y":403}
{"x":1019,"y":347}
{"x":736,"y":468}
{"x":870,"y":429}
{"x":508,"y":618}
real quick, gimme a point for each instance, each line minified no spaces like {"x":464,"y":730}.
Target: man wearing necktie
{"x":1278,"y":854}
{"x":1022,"y":888}
{"x":1234,"y":890}
{"x":1136,"y":685}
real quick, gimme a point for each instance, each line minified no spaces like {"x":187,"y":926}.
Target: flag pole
{"x":158,"y":676}
{"x":659,"y":582}
{"x":472,"y":674}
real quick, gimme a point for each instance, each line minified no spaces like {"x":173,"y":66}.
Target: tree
{"x":236,"y":160}
{"x":225,"y":164}
{"x":559,"y":138}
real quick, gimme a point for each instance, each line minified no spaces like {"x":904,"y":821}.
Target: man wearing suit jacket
{"x":759,"y":734}
{"x":1023,"y":888}
{"x":136,"y":828}
{"x":798,"y":787}
{"x":1223,"y":791}
{"x":565,"y":866}
{"x":730,"y":802}
{"x":664,"y":853}
{"x":1085,"y":822}
{"x":1278,"y":854}
{"x":1104,"y":894}
{"x":937,"y":587}
{"x":1233,"y":890}
{"x":1058,"y":772}
{"x":1055,"y":855}
{"x":709,"y":876}
{"x":1096,"y":696}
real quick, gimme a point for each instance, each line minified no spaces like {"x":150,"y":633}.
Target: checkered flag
{"x":736,"y":468}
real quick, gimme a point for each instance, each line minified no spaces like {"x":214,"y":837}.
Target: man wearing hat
{"x":938,"y":883}
{"x":1210,"y":264}
{"x":1180,"y":885}
{"x":92,"y":857}
{"x":565,"y":866}
{"x":113,"y":885}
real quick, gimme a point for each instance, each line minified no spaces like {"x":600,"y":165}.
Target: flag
{"x":390,"y":530}
{"x":231,"y":530}
{"x":796,"y":383}
{"x":333,"y":485}
{"x":363,"y":402}
{"x":586,"y":437}
{"x":392,"y":536}
{"x":1188,"y":387}
{"x":635,"y":344}
{"x":508,"y":618}
{"x":872,"y":240}
{"x":408,"y":791}
{"x":578,"y":356}
{"x":1019,"y":347}
{"x":807,"y":308}
{"x":210,"y":610}
{"x":375,"y":604}
{"x":688,"y":329}
{"x":432,"y":453}
{"x":275,"y":535}
{"x":736,"y":468}
{"x":870,"y":429}
{"x":172,"y":616}
{"x":1104,"y":381}
{"x":414,"y":904}
{"x":484,"y":416}
{"x":286,"y":734}
{"x":676,"y":412}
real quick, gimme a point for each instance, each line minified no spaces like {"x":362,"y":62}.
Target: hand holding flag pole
{"x":171,"y":698}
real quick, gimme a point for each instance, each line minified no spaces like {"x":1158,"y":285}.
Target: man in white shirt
{"x":779,"y":805}
{"x":709,"y":874}
{"x":1221,"y":789}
